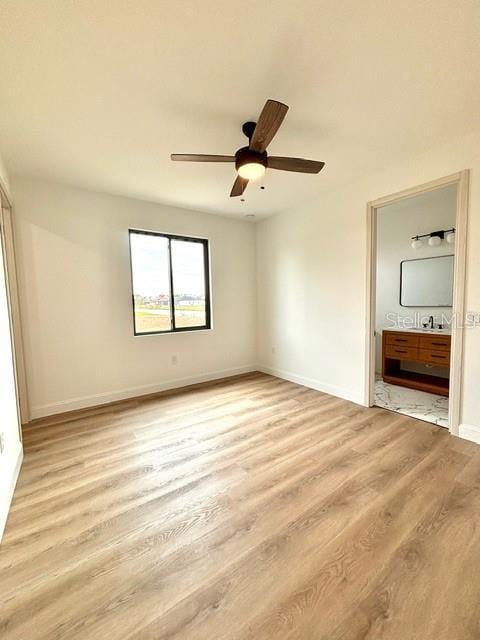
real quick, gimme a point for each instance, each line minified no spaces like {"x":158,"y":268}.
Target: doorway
{"x":13,"y":304}
{"x":10,"y":428}
{"x":415,"y":294}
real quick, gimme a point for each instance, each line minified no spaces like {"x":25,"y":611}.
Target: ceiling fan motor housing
{"x":247,"y":156}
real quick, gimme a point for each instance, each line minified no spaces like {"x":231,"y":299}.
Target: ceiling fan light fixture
{"x":251,"y":170}
{"x":252,"y":161}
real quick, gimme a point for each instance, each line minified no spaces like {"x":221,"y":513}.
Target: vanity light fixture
{"x":450,"y":238}
{"x":434,"y":238}
{"x":417,"y":243}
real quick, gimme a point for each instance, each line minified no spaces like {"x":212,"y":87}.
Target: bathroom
{"x":415,"y":261}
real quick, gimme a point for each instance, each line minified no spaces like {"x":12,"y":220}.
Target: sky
{"x":150,"y":266}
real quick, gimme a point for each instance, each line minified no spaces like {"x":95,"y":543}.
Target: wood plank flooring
{"x":247,"y":509}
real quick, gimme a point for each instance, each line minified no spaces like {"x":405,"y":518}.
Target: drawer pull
{"x":438,"y":344}
{"x":400,"y":351}
{"x":400,"y":340}
{"x":434,"y":355}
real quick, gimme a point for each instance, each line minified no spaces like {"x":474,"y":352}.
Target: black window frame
{"x":206,"y":275}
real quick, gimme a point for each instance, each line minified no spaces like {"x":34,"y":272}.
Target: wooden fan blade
{"x":198,"y":157}
{"x":294,"y":164}
{"x":268,"y":124}
{"x":239,"y":187}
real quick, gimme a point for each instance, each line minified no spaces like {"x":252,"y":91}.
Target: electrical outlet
{"x":2,"y":443}
{"x":273,"y":350}
{"x":174,"y":359}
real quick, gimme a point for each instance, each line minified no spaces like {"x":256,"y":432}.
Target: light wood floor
{"x":249,"y":509}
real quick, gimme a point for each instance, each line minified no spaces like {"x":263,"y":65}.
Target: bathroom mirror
{"x":427,"y":282}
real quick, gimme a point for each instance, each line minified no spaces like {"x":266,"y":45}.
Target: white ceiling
{"x":99,"y":93}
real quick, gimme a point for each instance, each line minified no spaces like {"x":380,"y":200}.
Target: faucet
{"x":431,"y":322}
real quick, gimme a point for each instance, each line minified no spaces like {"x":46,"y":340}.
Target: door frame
{"x":461,"y":180}
{"x":13,"y":301}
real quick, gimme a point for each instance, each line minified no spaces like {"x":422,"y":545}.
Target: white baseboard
{"x":312,"y":383}
{"x":7,"y":499}
{"x":40,"y":411}
{"x":469,"y":432}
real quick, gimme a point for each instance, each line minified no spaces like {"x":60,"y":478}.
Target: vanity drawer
{"x":437,"y":343}
{"x":401,"y":339}
{"x":432,"y":356}
{"x":401,"y":352}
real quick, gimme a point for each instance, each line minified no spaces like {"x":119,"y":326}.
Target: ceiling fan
{"x":252,"y":161}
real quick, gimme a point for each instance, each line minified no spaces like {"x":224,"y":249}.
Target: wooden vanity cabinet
{"x":423,"y":348}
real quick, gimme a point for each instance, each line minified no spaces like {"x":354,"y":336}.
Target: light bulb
{"x":434,"y":241}
{"x":451,"y":237}
{"x":417,"y":243}
{"x":251,"y":170}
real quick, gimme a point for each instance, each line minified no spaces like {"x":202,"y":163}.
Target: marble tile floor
{"x":417,"y":404}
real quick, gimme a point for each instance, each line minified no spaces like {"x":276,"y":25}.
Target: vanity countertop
{"x":438,"y":332}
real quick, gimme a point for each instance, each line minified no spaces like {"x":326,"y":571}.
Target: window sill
{"x":170,"y":333}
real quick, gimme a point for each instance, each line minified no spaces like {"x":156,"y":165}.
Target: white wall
{"x":11,"y":456}
{"x":396,"y":224}
{"x":311,"y":264}
{"x":74,"y":271}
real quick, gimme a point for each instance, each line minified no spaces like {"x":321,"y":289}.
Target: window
{"x":170,"y":282}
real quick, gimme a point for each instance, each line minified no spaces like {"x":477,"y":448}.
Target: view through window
{"x":170,"y":282}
